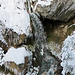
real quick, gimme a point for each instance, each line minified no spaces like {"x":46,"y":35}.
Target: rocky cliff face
{"x":62,"y":10}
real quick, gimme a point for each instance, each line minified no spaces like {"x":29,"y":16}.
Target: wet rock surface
{"x":50,"y":64}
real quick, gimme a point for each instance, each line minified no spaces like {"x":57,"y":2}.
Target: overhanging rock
{"x":61,"y":10}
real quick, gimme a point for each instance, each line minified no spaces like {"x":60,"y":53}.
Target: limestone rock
{"x":62,"y":10}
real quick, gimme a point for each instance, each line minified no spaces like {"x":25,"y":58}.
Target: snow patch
{"x":16,"y":55}
{"x":14,"y":15}
{"x":43,"y":3}
{"x":33,"y":71}
{"x":68,"y":55}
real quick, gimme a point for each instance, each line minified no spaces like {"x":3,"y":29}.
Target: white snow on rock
{"x":33,"y":71}
{"x":68,"y":55}
{"x":14,"y":15}
{"x":1,"y":54}
{"x":46,"y":3}
{"x":2,"y":30}
{"x":16,"y":55}
{"x":2,"y":38}
{"x":43,"y":3}
{"x":72,"y":25}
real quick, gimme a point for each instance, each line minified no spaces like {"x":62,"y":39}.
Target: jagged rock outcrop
{"x":62,"y":10}
{"x":10,"y":38}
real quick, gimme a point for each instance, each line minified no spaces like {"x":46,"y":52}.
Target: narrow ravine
{"x":37,"y":37}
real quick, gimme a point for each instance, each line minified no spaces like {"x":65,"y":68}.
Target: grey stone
{"x":62,"y":10}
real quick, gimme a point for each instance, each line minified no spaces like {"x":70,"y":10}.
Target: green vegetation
{"x":70,"y":30}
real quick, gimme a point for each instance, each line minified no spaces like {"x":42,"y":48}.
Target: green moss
{"x":55,"y":38}
{"x":50,"y":37}
{"x":70,"y":30}
{"x":68,"y":73}
{"x":58,"y":39}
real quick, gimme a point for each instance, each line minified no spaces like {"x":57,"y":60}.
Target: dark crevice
{"x":50,"y":25}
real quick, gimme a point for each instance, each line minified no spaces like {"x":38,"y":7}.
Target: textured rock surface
{"x":10,"y":38}
{"x":62,"y":10}
{"x":49,"y":64}
{"x":13,"y":69}
{"x":57,"y":32}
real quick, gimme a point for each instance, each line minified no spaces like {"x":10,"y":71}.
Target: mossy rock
{"x":71,"y":29}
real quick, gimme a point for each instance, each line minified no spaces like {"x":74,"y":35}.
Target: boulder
{"x":57,"y":32}
{"x":61,"y":10}
{"x":9,"y":38}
